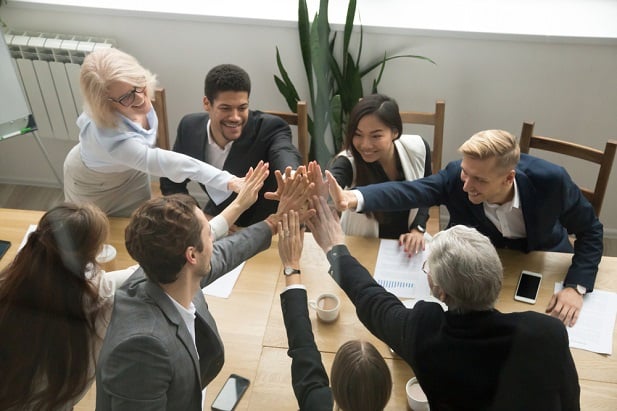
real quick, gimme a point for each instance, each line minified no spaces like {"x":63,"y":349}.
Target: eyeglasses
{"x":128,"y":99}
{"x":425,"y":267}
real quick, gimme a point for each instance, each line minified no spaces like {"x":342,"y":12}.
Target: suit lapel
{"x":528,"y":196}
{"x":173,"y":316}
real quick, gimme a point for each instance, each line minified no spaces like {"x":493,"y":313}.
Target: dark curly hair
{"x":226,"y":77}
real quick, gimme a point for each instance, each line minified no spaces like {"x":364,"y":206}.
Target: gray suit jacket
{"x":148,"y":360}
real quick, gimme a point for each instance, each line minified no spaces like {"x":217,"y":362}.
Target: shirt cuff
{"x":294,"y":287}
{"x":360,"y":198}
{"x":218,"y":227}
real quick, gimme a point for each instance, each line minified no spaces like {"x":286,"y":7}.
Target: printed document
{"x":594,"y":328}
{"x":400,"y":274}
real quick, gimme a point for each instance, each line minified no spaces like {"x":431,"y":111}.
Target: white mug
{"x":416,"y":398}
{"x":327,"y":307}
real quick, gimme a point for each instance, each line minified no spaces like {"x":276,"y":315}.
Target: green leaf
{"x":348,"y":29}
{"x":336,"y":124}
{"x":375,"y":64}
{"x":304,"y":33}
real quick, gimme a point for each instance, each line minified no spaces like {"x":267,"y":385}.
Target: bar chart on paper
{"x":400,"y":274}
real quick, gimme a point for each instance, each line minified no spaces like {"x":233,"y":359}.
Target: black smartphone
{"x":528,"y":287}
{"x":230,"y":394}
{"x":4,"y":246}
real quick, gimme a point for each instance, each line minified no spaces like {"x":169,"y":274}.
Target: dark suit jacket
{"x":483,"y":360}
{"x":308,"y":375}
{"x":264,"y":137}
{"x":552,"y":205}
{"x":148,"y":360}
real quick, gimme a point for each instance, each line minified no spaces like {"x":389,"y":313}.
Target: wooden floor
{"x":43,"y":198}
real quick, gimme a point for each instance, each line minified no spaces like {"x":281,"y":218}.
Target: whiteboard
{"x":15,"y":116}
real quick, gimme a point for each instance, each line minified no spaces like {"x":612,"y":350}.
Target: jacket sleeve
{"x":579,"y":218}
{"x":170,"y":187}
{"x":281,"y":152}
{"x":423,"y":215}
{"x":381,"y":312}
{"x":231,"y":251}
{"x":308,"y":375}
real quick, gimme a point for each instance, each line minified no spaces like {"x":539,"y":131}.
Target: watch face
{"x":290,"y":271}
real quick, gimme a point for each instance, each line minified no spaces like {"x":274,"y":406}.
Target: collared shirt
{"x":507,"y":217}
{"x":215,"y":155}
{"x":188,"y":316}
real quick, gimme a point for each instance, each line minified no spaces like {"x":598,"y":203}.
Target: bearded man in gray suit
{"x":162,"y":347}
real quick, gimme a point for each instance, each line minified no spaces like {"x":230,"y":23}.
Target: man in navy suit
{"x":517,"y":200}
{"x":231,"y":137}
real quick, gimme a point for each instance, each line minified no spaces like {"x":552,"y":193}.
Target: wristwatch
{"x":581,"y":289}
{"x":290,"y":271}
{"x":420,"y":228}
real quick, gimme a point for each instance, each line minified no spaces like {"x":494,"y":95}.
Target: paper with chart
{"x":594,"y":328}
{"x":399,"y":274}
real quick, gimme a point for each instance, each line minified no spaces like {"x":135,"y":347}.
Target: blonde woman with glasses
{"x":110,"y":166}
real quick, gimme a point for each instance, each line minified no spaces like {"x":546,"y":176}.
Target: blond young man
{"x":517,"y":200}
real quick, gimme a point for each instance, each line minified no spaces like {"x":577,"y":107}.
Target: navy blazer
{"x":264,"y":137}
{"x":553,"y":207}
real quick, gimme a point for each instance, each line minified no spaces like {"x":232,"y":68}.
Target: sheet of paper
{"x":223,"y":286}
{"x":31,"y":229}
{"x":399,"y":274}
{"x":594,"y":328}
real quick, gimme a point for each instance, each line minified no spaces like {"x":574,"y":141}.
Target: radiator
{"x":48,"y":66}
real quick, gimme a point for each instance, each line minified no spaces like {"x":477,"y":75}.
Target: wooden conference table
{"x":251,"y":324}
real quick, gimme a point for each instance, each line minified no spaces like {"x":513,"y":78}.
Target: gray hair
{"x":466,"y":266}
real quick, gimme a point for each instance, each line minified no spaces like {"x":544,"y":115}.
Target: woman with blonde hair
{"x":110,"y":166}
{"x":55,"y":305}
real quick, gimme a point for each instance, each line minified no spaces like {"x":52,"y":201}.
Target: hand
{"x":291,"y":239}
{"x":412,"y":242}
{"x":253,"y":182}
{"x":566,"y":305}
{"x":235,"y":184}
{"x":314,"y":175}
{"x":280,"y":183}
{"x":325,"y":225}
{"x":343,"y":199}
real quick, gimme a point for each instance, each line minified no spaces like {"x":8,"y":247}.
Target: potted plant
{"x":334,"y":77}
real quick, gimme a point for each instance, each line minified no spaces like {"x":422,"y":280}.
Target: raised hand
{"x":280,"y":182}
{"x":325,"y":225}
{"x":315,"y":176}
{"x":291,"y":239}
{"x":253,"y":182}
{"x":343,"y":199}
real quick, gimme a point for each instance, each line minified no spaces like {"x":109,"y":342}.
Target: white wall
{"x":568,"y":87}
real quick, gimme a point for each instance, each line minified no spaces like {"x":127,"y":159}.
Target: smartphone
{"x":4,"y":246}
{"x":230,"y":394}
{"x":528,"y":287}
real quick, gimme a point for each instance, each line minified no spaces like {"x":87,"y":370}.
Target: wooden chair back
{"x":603,"y":158}
{"x":299,"y":119}
{"x":435,"y":119}
{"x":160,"y":106}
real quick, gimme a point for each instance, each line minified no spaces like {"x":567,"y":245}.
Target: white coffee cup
{"x":327,"y":307}
{"x":416,"y":398}
{"x":108,"y":253}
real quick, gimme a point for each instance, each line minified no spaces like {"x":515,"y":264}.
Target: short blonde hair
{"x":99,"y":70}
{"x":499,"y":144}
